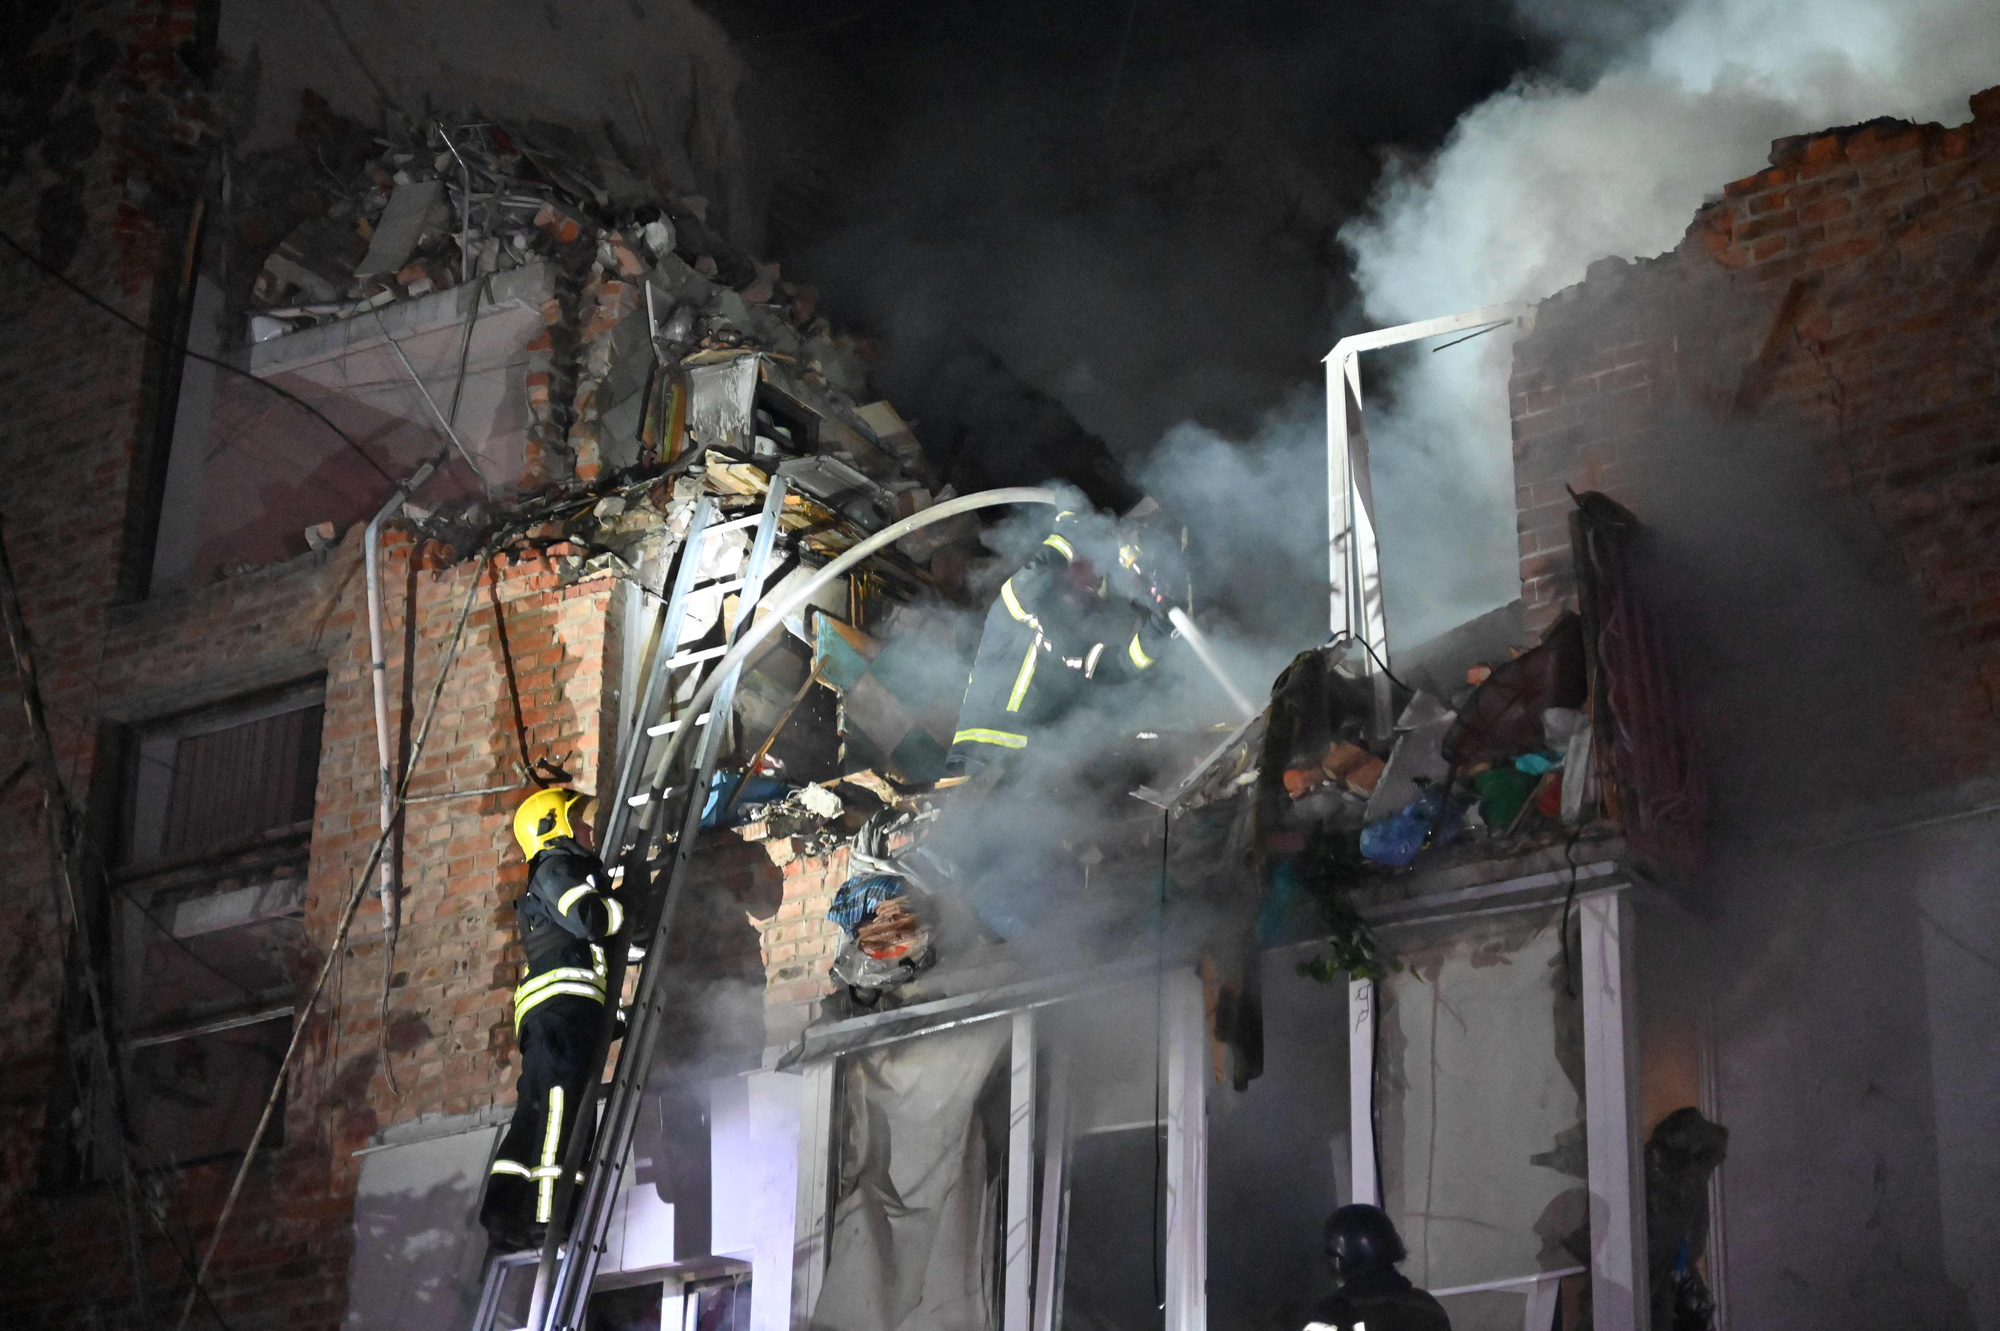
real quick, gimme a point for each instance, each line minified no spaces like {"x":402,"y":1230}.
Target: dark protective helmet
{"x":1361,"y":1239}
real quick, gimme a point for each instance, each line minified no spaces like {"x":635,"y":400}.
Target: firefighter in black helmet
{"x":1089,"y":607}
{"x":1363,"y":1247}
{"x":563,"y":919}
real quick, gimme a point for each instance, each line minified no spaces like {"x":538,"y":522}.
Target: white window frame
{"x":1354,"y":560}
{"x":1615,"y":1161}
{"x":791,"y":1248}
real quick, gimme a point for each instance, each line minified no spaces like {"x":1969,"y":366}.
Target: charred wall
{"x":1843,"y":299}
{"x":1801,"y":401}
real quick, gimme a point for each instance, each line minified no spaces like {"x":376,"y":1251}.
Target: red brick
{"x":1882,"y":369}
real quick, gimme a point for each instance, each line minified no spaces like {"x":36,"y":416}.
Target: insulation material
{"x":1479,"y":1106}
{"x":922,"y":1148}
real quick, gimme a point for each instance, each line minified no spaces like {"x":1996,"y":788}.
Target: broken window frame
{"x":1606,"y":980}
{"x":1032,"y":1233}
{"x":1354,"y":560}
{"x":153,"y":889}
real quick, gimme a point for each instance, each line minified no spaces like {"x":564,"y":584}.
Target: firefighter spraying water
{"x":1092,"y":607}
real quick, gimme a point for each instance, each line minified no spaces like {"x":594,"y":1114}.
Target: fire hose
{"x":766,"y":624}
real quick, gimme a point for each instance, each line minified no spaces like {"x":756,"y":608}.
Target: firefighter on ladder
{"x":1087,"y":609}
{"x":563,"y":920}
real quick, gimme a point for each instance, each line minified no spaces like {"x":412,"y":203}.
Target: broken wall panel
{"x":419,"y":1252}
{"x":250,"y":471}
{"x":1479,"y":1071}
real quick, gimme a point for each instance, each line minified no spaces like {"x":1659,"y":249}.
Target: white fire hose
{"x":765,"y":625}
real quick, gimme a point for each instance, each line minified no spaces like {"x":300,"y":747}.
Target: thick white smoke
{"x":1542,"y":179}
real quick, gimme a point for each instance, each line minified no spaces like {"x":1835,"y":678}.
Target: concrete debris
{"x":404,"y":219}
{"x":413,"y":221}
{"x":1506,"y":768}
{"x":819,"y":800}
{"x":665,"y":352}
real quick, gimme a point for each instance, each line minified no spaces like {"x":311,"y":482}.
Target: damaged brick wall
{"x":107,"y":133}
{"x":450,"y":1024}
{"x":98,"y":118}
{"x":1849,"y":290}
{"x":448,"y":1037}
{"x":799,"y":942}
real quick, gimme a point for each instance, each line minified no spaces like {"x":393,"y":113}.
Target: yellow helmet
{"x":543,"y":817}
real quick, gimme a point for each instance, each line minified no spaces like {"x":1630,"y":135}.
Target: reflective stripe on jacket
{"x":541,"y":986}
{"x":565,"y":913}
{"x":1048,"y":635}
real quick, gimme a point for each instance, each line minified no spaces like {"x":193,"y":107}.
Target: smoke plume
{"x":1654,"y":108}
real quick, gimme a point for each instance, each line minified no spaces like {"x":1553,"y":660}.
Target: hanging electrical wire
{"x":389,"y":941}
{"x":65,"y":848}
{"x":55,"y":274}
{"x":354,"y":899}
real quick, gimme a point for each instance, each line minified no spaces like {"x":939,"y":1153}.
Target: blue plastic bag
{"x":1395,"y":841}
{"x":723,"y":785}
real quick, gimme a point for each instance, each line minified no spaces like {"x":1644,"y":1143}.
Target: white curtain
{"x":918,"y":1193}
{"x":1480,"y":1109}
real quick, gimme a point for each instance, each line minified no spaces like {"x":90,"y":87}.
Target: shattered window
{"x":209,"y":898}
{"x":1479,"y":1104}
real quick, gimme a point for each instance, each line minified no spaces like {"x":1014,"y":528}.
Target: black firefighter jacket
{"x":566,"y":912}
{"x":1055,"y":630}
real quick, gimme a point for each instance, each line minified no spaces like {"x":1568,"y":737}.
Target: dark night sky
{"x":1135,"y":206}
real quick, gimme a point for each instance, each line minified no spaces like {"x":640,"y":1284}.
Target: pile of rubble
{"x":669,"y":369}
{"x":1505,"y":765}
{"x":642,"y":284}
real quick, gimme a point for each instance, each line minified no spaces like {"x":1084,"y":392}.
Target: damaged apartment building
{"x":1623,"y":1012}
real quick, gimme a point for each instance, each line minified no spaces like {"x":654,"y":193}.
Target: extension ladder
{"x":633,"y":840}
